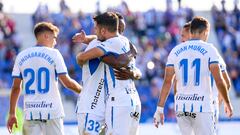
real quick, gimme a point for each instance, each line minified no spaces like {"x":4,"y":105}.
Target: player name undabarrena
{"x":191,"y":47}
{"x":36,"y":54}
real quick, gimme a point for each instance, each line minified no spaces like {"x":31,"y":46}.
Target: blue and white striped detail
{"x":19,"y":76}
{"x":86,"y":120}
{"x":169,"y":65}
{"x":112,"y":117}
{"x":201,"y":108}
{"x":112,"y":76}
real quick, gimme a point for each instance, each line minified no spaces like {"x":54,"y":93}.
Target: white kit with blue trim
{"x":92,"y":97}
{"x":119,"y":92}
{"x":191,"y":61}
{"x":39,"y":67}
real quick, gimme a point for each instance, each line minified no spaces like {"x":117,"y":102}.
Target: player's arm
{"x":221,"y":86}
{"x":15,"y":93}
{"x":127,"y":73}
{"x":70,"y":83}
{"x":95,"y":52}
{"x":175,"y":87}
{"x":168,"y":78}
{"x":83,"y":38}
{"x":122,"y":60}
{"x":228,"y":83}
{"x":227,"y":79}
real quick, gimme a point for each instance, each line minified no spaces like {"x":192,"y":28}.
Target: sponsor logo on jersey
{"x":191,"y":97}
{"x":41,"y":104}
{"x":97,"y":94}
{"x":189,"y":114}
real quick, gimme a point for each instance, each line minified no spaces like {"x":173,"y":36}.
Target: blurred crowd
{"x":227,"y":29}
{"x":153,"y":32}
{"x":10,"y":44}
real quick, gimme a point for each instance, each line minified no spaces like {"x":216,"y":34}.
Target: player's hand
{"x":133,"y":50}
{"x":228,"y":109}
{"x":12,"y":120}
{"x":79,"y":37}
{"x":123,"y":73}
{"x":158,"y":117}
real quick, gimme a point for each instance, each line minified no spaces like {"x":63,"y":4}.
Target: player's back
{"x":191,"y":61}
{"x":38,"y":67}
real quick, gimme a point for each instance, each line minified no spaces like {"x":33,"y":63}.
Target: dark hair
{"x":44,"y":27}
{"x":119,"y":15}
{"x":187,"y":26}
{"x":109,"y":20}
{"x":199,"y":25}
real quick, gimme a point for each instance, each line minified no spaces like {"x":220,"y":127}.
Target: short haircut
{"x":199,"y":25}
{"x":109,"y":20}
{"x":45,"y":27}
{"x":187,"y":26}
{"x":119,"y":15}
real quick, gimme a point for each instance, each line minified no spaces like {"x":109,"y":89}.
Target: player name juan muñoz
{"x":191,"y":47}
{"x":98,"y":92}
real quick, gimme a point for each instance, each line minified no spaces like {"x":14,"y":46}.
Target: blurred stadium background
{"x":152,"y":25}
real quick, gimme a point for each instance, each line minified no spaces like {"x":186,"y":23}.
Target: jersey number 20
{"x":39,"y":80}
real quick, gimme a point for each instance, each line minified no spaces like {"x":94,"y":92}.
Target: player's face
{"x":185,"y":35}
{"x":121,"y":26}
{"x":50,"y":39}
{"x":99,"y":32}
{"x":53,"y":39}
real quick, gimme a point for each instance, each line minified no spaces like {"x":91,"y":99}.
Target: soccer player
{"x":185,"y":36}
{"x":90,"y":89}
{"x":217,"y":98}
{"x":123,"y":104}
{"x":38,"y":69}
{"x":185,"y":32}
{"x":192,"y":62}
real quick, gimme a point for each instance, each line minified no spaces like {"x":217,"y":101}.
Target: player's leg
{"x":89,"y":124}
{"x":216,"y":115}
{"x":32,"y":127}
{"x":135,"y":121}
{"x":203,"y":124}
{"x":54,"y":127}
{"x":184,"y":124}
{"x":120,"y":120}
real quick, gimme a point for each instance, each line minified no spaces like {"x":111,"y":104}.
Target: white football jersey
{"x":119,"y":92}
{"x":213,"y":84}
{"x":191,"y":61}
{"x":39,"y":68}
{"x":92,"y":97}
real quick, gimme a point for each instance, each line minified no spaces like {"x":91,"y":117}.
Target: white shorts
{"x":122,"y":120}
{"x":90,"y":124}
{"x":216,"y":114}
{"x":200,"y":123}
{"x":44,"y":127}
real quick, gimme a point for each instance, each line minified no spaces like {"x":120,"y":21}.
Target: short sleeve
{"x":170,"y":60}
{"x":222,"y":65}
{"x":105,"y":47}
{"x":16,"y":73}
{"x":60,"y":65}
{"x":214,"y":56}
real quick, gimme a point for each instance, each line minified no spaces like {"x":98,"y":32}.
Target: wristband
{"x":160,"y":109}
